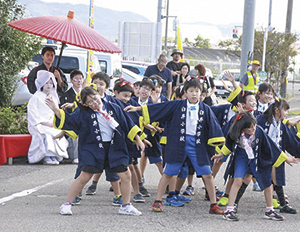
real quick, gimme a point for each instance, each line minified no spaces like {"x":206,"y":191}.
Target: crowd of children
{"x":118,"y":133}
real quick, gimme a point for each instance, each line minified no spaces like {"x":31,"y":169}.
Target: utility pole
{"x":166,"y":32}
{"x":248,"y":34}
{"x":159,"y":6}
{"x":289,"y":13}
{"x":288,"y":25}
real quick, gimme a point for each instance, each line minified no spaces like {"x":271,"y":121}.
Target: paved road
{"x":30,"y":196}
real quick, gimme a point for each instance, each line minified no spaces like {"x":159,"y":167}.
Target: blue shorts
{"x":184,"y":171}
{"x":153,"y":159}
{"x":243,"y":164}
{"x":111,"y":176}
{"x":172,"y":169}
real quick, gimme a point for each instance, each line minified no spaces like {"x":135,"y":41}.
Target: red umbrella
{"x":66,"y":30}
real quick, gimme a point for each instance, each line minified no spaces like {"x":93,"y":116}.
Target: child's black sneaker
{"x":76,"y":200}
{"x":91,"y":190}
{"x":230,"y":216}
{"x":144,"y":191}
{"x":288,"y":209}
{"x":273,"y":216}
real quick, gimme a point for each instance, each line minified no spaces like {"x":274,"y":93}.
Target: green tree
{"x":187,"y":42}
{"x":16,"y":49}
{"x":201,"y":43}
{"x":231,"y":45}
{"x":279,"y":53}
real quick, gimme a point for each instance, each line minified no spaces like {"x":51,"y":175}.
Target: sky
{"x":217,"y":12}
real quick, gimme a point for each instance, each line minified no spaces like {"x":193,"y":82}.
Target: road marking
{"x":27,"y":192}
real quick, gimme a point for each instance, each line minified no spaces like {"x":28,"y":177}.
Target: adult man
{"x":161,"y":70}
{"x":48,"y":55}
{"x":250,"y":79}
{"x":174,"y":65}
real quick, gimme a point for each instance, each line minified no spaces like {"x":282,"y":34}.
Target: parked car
{"x":221,"y":91}
{"x":126,"y":75}
{"x":22,"y":94}
{"x":110,"y":63}
{"x":136,"y":67}
{"x":131,"y":76}
{"x":70,"y":60}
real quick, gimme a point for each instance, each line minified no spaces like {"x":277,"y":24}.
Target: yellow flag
{"x":90,"y":66}
{"x":90,"y":53}
{"x":178,"y":42}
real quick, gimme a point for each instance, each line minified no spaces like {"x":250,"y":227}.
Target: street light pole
{"x":267,"y":29}
{"x":166,"y":32}
{"x":264,"y":49}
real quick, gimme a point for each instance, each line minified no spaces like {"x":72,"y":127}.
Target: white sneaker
{"x":65,"y":209}
{"x":54,"y":160}
{"x":129,"y":210}
{"x":75,"y":161}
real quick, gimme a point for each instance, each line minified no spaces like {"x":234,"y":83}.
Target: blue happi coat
{"x":153,"y":137}
{"x":287,"y":142}
{"x":90,"y":147}
{"x":221,"y":113}
{"x":208,"y":132}
{"x":266,"y":155}
{"x":135,"y":116}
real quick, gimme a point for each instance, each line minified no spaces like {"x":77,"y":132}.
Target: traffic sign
{"x":263,"y":75}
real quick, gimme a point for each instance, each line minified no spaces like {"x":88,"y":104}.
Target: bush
{"x":13,"y":120}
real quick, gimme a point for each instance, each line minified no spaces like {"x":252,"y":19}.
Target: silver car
{"x":22,"y":94}
{"x":221,"y":91}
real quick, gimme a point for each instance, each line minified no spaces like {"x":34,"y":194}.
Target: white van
{"x":70,"y":60}
{"x":109,"y":63}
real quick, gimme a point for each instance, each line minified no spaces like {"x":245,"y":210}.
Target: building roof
{"x":217,"y":55}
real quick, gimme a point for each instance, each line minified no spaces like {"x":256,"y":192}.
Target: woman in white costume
{"x":47,"y":144}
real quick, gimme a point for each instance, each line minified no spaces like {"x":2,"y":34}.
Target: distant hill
{"x":106,"y":20}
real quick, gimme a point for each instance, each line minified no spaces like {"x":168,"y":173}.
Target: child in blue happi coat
{"x":102,"y":81}
{"x":192,"y":131}
{"x":123,"y":91}
{"x":252,"y":147}
{"x":174,"y":197}
{"x":271,"y":122}
{"x":245,"y":101}
{"x":102,"y":128}
{"x":147,"y":89}
{"x":264,"y":96}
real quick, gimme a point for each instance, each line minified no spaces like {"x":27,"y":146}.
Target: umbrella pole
{"x":60,"y":54}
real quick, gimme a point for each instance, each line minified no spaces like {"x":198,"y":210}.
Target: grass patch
{"x":296,"y":112}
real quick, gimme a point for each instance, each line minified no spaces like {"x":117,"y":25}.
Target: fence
{"x":215,"y":66}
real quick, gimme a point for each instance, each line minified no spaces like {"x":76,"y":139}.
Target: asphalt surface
{"x":39,"y":190}
{"x":30,"y":197}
